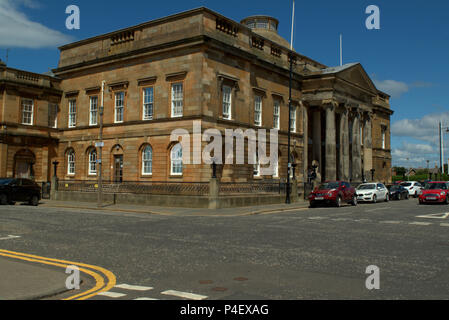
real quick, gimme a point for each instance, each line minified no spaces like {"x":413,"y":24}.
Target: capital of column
{"x":329,"y":104}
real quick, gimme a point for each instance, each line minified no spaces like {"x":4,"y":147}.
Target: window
{"x":93,"y":115}
{"x":147,"y":161}
{"x":276,"y":169}
{"x":262,"y":24}
{"x":177,"y":100}
{"x":258,"y":111}
{"x":119,"y":106}
{"x":227,"y":102}
{"x":276,"y":116}
{"x":293,"y":119}
{"x":176,"y":160}
{"x":72,"y":113}
{"x":361,"y":135}
{"x":384,"y":144}
{"x":93,"y":162}
{"x":148,"y":103}
{"x":53,"y":115}
{"x":27,"y":112}
{"x":71,"y":163}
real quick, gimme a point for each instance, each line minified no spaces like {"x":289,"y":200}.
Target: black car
{"x":19,"y":190}
{"x":398,"y":192}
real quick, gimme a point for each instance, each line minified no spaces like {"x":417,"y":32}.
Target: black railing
{"x":252,"y":187}
{"x":138,"y":187}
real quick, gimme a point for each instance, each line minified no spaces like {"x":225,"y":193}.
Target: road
{"x":320,"y":253}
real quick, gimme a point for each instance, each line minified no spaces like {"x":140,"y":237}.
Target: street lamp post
{"x":100,"y":146}
{"x":289,"y":166}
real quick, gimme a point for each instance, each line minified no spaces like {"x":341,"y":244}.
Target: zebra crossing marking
{"x":185,"y":295}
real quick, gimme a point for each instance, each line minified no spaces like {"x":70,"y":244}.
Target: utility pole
{"x":289,"y":167}
{"x":100,"y":146}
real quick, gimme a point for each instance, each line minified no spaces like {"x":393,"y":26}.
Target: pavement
{"x":24,"y":281}
{"x":165,"y":211}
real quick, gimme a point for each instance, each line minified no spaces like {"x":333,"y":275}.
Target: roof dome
{"x":267,"y":27}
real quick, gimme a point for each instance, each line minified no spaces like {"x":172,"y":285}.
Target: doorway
{"x":118,"y":168}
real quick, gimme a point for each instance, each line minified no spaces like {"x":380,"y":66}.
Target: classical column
{"x":330,"y":141}
{"x":305,"y":127}
{"x":317,"y":137}
{"x":344,"y":146}
{"x":356,"y":149}
{"x":368,"y":146}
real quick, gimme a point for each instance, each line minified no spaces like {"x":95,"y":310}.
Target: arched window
{"x":71,"y":162}
{"x":147,"y":161}
{"x":92,"y":162}
{"x":176,"y":160}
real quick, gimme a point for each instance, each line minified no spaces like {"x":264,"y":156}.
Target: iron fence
{"x":138,"y":187}
{"x":252,"y":187}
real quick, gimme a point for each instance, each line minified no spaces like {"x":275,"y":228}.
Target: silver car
{"x":372,"y":192}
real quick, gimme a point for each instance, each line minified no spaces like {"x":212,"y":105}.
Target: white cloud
{"x":394,"y":88}
{"x":424,"y":130}
{"x":17,"y":30}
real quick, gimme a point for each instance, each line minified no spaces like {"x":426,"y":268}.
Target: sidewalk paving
{"x":29,"y":281}
{"x":165,"y":211}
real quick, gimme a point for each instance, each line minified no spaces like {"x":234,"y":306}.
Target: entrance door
{"x":118,"y":169}
{"x":22,"y":170}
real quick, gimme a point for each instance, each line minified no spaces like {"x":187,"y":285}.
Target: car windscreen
{"x":394,"y":188}
{"x":329,"y":185}
{"x":433,"y":186}
{"x":407,"y":184}
{"x":367,"y":187}
{"x":4,"y":182}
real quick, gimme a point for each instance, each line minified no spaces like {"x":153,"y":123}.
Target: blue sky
{"x":408,"y":57}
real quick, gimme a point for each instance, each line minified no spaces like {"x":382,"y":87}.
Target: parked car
{"x":398,"y":192}
{"x":414,"y":188}
{"x":333,"y":193}
{"x":435,"y":192}
{"x":372,"y":192}
{"x":19,"y":190}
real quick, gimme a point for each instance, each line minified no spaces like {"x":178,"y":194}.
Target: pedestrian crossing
{"x":145,"y":293}
{"x":384,"y":222}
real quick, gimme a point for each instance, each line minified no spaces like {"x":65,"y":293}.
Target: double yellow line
{"x":104,"y":279}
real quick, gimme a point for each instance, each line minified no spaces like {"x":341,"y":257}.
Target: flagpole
{"x":289,"y":167}
{"x":341,"y":49}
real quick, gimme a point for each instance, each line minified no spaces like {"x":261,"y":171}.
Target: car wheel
{"x":338,"y":202}
{"x":387,"y":197}
{"x":446,"y":201}
{"x":374,"y":199}
{"x":3,"y":199}
{"x":34,"y":201}
{"x":354,"y":201}
{"x":312,"y":205}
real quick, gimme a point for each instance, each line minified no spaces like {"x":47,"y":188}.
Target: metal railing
{"x":138,"y":187}
{"x":252,"y":187}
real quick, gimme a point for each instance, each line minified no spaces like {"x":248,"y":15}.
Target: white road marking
{"x":341,"y":219}
{"x":391,"y":222}
{"x":444,"y":224}
{"x":10,"y":237}
{"x":112,"y":294}
{"x":435,"y":216}
{"x":371,"y":210}
{"x":185,"y":295}
{"x":420,"y":223}
{"x":317,"y":218}
{"x":136,"y":288}
{"x":150,"y":299}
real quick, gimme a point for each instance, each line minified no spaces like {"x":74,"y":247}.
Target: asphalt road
{"x":318,"y":253}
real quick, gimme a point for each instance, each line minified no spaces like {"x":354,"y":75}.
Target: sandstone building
{"x":167,"y":74}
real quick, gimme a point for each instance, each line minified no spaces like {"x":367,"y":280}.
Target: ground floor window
{"x":176,"y":160}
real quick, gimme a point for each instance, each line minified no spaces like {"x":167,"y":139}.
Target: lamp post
{"x":372,"y":174}
{"x":100,"y":146}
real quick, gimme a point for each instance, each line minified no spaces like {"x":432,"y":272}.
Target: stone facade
{"x":196,"y":59}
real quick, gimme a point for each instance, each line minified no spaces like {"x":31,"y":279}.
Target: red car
{"x":334,"y":193}
{"x":435,"y":192}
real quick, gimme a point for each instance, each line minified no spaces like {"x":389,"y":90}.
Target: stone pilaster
{"x":344,"y":145}
{"x":3,"y":159}
{"x":330,"y":141}
{"x":317,"y":137}
{"x":356,"y":149}
{"x":368,"y":146}
{"x":305,"y":119}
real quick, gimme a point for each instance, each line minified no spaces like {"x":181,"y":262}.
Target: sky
{"x":408,"y":57}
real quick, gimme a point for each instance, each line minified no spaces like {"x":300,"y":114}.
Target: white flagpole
{"x":341,"y":49}
{"x":293,"y":24}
